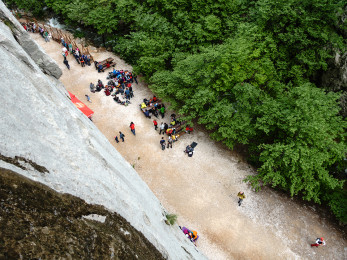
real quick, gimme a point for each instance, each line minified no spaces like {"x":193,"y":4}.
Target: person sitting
{"x":100,"y":83}
{"x":120,"y":90}
{"x":100,"y":68}
{"x":146,"y":112}
{"x":146,"y":101}
{"x":319,"y":242}
{"x":189,"y":129}
{"x":169,"y":131}
{"x":155,"y":99}
{"x":189,"y":150}
{"x":88,"y":59}
{"x":173,"y":122}
{"x":107,"y":92}
{"x":116,"y":99}
{"x":108,"y":65}
{"x":193,"y":235}
{"x":174,"y":138}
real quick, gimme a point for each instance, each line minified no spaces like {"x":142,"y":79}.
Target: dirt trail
{"x":202,"y":190}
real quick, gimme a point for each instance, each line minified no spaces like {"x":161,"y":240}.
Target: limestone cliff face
{"x":45,"y":138}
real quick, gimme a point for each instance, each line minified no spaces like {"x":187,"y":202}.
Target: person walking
{"x":155,"y":123}
{"x":116,"y":139}
{"x":88,"y":98}
{"x":319,"y":242}
{"x":162,"y":143}
{"x":66,"y":63}
{"x":162,"y":127}
{"x":169,"y":142}
{"x":121,"y":136}
{"x":241,"y":196}
{"x":132,"y":128}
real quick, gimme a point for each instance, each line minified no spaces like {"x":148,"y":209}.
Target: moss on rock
{"x":38,"y":222}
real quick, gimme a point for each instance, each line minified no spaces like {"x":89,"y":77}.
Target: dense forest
{"x":249,"y":71}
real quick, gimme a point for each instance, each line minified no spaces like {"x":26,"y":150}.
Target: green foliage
{"x":337,"y":201}
{"x":171,"y":219}
{"x":305,"y":31}
{"x":303,"y":137}
{"x":33,"y":6}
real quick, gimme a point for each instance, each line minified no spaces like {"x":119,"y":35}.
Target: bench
{"x":104,"y":63}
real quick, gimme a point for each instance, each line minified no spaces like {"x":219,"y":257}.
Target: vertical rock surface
{"x":45,"y":138}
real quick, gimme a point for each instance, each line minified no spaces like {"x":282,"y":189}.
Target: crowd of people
{"x":82,"y":59}
{"x":32,"y":27}
{"x":119,"y":86}
{"x":175,"y":129}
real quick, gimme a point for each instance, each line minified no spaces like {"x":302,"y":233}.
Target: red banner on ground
{"x":81,"y":106}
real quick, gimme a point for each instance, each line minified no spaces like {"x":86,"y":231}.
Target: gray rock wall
{"x":47,"y":65}
{"x":44,"y":137}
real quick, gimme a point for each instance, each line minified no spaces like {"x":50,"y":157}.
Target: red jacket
{"x":132,"y":126}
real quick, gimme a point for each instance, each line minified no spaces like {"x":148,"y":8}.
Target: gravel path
{"x":202,"y":190}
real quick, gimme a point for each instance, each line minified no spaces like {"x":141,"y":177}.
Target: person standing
{"x":166,"y":126}
{"x":162,"y":127}
{"x":169,"y":142}
{"x":82,"y":61}
{"x":155,"y":123}
{"x":162,"y":143}
{"x":131,"y":91}
{"x":241,"y":196}
{"x":121,"y":136}
{"x":162,"y":111}
{"x":319,"y":242}
{"x":66,"y":63}
{"x":45,"y":34}
{"x":116,"y":139}
{"x":127,"y":93}
{"x":132,"y":128}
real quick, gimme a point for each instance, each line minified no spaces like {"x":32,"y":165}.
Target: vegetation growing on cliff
{"x":244,"y":69}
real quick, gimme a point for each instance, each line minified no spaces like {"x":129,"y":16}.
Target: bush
{"x":170,"y":219}
{"x":337,"y":202}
